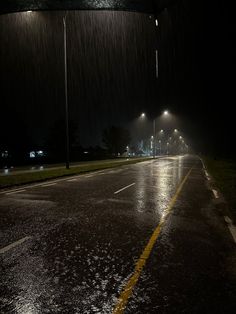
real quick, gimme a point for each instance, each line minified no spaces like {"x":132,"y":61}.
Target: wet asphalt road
{"x":82,"y":236}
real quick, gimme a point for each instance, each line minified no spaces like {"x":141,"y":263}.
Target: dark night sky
{"x":112,"y":71}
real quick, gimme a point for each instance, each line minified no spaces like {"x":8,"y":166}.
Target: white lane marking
{"x":16,"y":191}
{"x":231,"y":226}
{"x":42,"y":184}
{"x":11,"y":246}
{"x":63,"y":180}
{"x":126,"y":187}
{"x":165,"y":164}
{"x":33,"y":186}
{"x":46,"y":185}
{"x":215,"y":193}
{"x":72,"y":180}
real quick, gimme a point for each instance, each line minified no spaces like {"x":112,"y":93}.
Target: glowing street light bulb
{"x":175,"y":130}
{"x":156,"y":21}
{"x":166,"y":113}
{"x":143,"y":115}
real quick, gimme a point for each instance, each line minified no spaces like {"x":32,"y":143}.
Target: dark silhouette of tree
{"x":116,"y":139}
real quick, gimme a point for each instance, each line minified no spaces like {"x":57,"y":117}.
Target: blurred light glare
{"x":166,"y":113}
{"x":143,"y":115}
{"x":156,"y":21}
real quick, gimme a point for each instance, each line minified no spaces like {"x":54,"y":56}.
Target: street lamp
{"x":166,"y":113}
{"x":143,"y":115}
{"x":152,"y":146}
{"x":160,"y":146}
{"x":67,"y":144}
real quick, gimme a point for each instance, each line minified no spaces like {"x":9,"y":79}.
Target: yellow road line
{"x":127,"y":291}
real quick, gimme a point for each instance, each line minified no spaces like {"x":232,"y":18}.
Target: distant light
{"x":143,"y":115}
{"x":152,"y":137}
{"x":175,"y":130}
{"x":5,"y":154}
{"x":85,"y":152}
{"x":32,"y":154}
{"x":156,"y":21}
{"x":29,"y":11}
{"x":166,"y":112}
{"x":180,"y":137}
{"x":162,"y":131}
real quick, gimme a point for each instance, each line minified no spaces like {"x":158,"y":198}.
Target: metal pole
{"x":67,"y":144}
{"x":157,"y":65}
{"x":154,"y":138}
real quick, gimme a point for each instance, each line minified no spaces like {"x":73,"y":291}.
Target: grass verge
{"x":37,"y":176}
{"x":224,"y":173}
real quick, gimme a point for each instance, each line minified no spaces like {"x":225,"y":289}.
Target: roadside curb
{"x":220,"y":203}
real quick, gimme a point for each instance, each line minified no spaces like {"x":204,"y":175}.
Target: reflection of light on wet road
{"x":140,"y":193}
{"x":165,"y":175}
{"x":163,"y":188}
{"x":26,"y":308}
{"x":128,"y":289}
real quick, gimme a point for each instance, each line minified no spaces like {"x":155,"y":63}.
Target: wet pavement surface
{"x":82,"y":236}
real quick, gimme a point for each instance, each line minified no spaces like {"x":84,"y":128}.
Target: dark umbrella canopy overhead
{"x":145,"y":6}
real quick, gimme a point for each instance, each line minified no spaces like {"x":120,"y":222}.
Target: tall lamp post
{"x":67,"y":143}
{"x":160,"y":146}
{"x":154,"y":138}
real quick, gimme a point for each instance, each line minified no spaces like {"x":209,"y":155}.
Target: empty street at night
{"x":142,"y":238}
